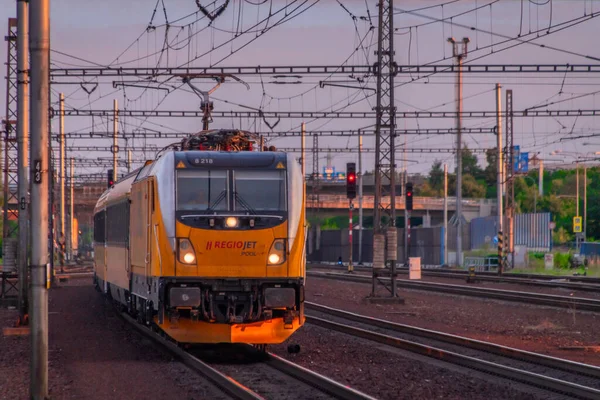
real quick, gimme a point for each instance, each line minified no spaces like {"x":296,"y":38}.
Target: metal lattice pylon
{"x":10,"y":135}
{"x":385,"y":164}
{"x":386,"y":121}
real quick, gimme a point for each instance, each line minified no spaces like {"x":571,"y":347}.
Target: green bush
{"x":536,"y":255}
{"x":562,"y":260}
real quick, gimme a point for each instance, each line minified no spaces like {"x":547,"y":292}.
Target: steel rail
{"x":227,"y":384}
{"x":572,"y":278}
{"x":523,"y":355}
{"x":511,"y":373}
{"x":516,"y":280}
{"x":576,"y":303}
{"x":313,"y":379}
{"x":491,"y":277}
{"x":71,"y":275}
{"x":240,"y":391}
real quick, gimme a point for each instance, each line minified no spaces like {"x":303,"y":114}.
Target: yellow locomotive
{"x":207,"y":245}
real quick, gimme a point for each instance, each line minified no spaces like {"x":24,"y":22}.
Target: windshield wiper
{"x":218,"y":200}
{"x":244,"y":203}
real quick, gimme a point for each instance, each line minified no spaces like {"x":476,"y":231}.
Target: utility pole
{"x":71,"y":211}
{"x":315,"y":172}
{"x":303,"y":151}
{"x":577,"y":186}
{"x":446,"y":213}
{"x":360,"y":197}
{"x":128,"y":161}
{"x":541,"y":178}
{"x":39,"y":22}
{"x":509,"y":182}
{"x":584,"y":202}
{"x":407,"y":230}
{"x":115,"y":149}
{"x":459,"y":106}
{"x":23,"y":150}
{"x":499,"y":165}
{"x":62,"y":228}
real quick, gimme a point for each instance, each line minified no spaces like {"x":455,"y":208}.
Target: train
{"x":206,"y":242}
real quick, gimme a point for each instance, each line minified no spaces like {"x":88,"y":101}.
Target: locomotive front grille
{"x":224,"y":301}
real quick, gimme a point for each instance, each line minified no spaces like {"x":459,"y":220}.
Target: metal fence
{"x":328,"y":246}
{"x":482,"y":232}
{"x":590,"y":249}
{"x":530,"y":230}
{"x":533,"y":231}
{"x":427,"y":243}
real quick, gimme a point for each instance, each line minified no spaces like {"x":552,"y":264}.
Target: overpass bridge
{"x":334,"y":204}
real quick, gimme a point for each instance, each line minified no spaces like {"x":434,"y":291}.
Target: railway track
{"x":570,"y":278}
{"x":549,"y":281}
{"x":261,"y":374}
{"x":548,"y":373}
{"x":574,"y":303}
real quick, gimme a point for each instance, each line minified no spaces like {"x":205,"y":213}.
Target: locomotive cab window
{"x":202,"y":190}
{"x":259,"y":190}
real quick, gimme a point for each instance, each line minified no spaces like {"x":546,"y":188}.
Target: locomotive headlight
{"x":277,"y":252}
{"x":186,"y":253}
{"x":231,"y":222}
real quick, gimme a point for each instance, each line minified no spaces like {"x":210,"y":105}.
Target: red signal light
{"x":351,"y":177}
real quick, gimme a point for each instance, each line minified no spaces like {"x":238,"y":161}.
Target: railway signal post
{"x":351,"y":194}
{"x":408,"y":205}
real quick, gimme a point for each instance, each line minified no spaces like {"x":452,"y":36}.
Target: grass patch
{"x":541,"y":270}
{"x":481,"y":253}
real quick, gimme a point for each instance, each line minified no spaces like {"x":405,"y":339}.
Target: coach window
{"x":99,"y":222}
{"x":202,"y":190}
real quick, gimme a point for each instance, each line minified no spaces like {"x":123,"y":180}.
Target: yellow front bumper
{"x":262,"y":332}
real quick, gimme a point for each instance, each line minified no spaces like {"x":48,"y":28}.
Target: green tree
{"x":471,"y":188}
{"x":425,"y":190}
{"x":491,"y":169}
{"x":525,"y":195}
{"x":470,"y":163}
{"x":436,"y":176}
